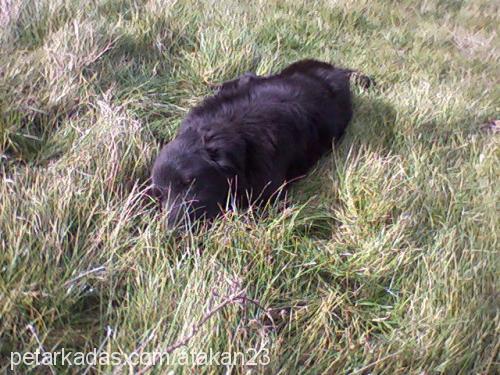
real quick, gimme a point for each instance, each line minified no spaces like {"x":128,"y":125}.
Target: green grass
{"x":383,"y":260}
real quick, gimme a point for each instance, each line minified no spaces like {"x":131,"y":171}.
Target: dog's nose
{"x":180,"y":213}
{"x":175,"y":217}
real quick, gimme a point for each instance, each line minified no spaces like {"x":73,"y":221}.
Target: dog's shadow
{"x":372,"y":124}
{"x":371,"y":128}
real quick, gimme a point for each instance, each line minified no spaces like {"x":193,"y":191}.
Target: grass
{"x":384,"y":259}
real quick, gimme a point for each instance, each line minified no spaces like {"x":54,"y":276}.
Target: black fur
{"x":254,"y":135}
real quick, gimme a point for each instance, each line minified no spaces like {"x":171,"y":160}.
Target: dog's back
{"x":287,"y":121}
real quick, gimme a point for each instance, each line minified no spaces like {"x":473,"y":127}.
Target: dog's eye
{"x":187,"y":181}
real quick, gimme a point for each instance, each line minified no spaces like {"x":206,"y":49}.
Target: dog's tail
{"x":359,"y":79}
{"x":328,"y":72}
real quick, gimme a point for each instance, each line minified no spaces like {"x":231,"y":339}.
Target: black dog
{"x":250,"y":138}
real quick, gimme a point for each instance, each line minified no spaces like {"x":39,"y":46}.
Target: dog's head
{"x":193,"y":175}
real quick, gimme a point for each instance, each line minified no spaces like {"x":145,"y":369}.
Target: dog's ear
{"x":228,"y":160}
{"x":228,"y":151}
{"x":223,"y":160}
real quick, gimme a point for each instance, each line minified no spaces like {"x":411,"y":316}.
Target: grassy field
{"x":383,"y":260}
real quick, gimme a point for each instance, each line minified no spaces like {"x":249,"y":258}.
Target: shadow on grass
{"x":372,"y":127}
